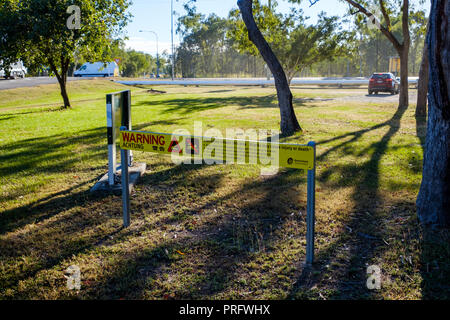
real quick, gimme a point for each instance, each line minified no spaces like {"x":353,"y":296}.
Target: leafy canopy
{"x":295,"y":43}
{"x":36,"y":30}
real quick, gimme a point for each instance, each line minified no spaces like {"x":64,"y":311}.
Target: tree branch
{"x":54,"y":69}
{"x":405,"y":23}
{"x":398,"y":46}
{"x":385,"y":15}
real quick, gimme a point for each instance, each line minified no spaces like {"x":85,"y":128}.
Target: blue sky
{"x":154,"y":15}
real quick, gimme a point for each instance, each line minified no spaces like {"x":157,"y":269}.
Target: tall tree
{"x":289,"y":123}
{"x":49,"y":32}
{"x":433,"y":202}
{"x":401,"y":45}
{"x":422,"y":85}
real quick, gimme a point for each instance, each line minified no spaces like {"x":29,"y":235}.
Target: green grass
{"x":49,"y":95}
{"x":213,"y":232}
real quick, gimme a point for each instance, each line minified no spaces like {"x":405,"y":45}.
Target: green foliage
{"x":132,"y":63}
{"x":274,"y":27}
{"x":359,"y":52}
{"x":205,"y":49}
{"x":36,"y":31}
{"x":296,"y":44}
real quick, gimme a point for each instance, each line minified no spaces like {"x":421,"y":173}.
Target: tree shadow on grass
{"x":4,"y":118}
{"x":216,"y":248}
{"x":244,"y":228}
{"x":435,"y":264}
{"x":67,"y":224}
{"x":222,"y":246}
{"x":56,"y":154}
{"x":190,"y":105}
{"x":364,"y":229}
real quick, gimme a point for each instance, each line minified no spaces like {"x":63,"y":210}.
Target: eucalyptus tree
{"x":433,"y":201}
{"x":389,"y":10}
{"x":50,"y":33}
{"x":289,"y":123}
{"x":204,"y":43}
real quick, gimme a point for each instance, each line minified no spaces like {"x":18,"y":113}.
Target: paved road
{"x":30,"y":82}
{"x":359,"y":95}
{"x":36,"y":81}
{"x":252,"y":81}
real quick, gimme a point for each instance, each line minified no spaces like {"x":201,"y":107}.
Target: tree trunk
{"x":404,"y":85}
{"x":289,"y":123}
{"x":433,"y":202}
{"x":62,"y":80}
{"x":62,"y":84}
{"x":403,"y":51}
{"x":422,"y":85}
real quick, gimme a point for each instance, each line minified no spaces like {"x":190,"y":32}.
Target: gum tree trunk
{"x":403,"y":51}
{"x":404,"y":85}
{"x":62,"y":80}
{"x":289,"y":123}
{"x":433,"y":202}
{"x":422,"y":85}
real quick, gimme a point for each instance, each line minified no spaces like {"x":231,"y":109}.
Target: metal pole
{"x":171,"y":30}
{"x":124,"y":154}
{"x":157,"y":50}
{"x":157,"y":57}
{"x":110,"y":116}
{"x":310,"y":208}
{"x":126,"y":119}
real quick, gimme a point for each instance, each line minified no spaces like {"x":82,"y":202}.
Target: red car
{"x":383,"y":82}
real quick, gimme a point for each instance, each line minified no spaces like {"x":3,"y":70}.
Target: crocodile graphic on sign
{"x":174,"y":146}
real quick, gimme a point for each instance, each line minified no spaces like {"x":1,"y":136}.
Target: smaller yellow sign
{"x":394,"y":65}
{"x":221,"y":150}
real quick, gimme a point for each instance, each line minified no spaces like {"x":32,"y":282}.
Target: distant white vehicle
{"x":16,"y":70}
{"x":98,"y":69}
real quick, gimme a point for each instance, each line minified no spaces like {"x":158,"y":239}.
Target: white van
{"x":98,"y":69}
{"x":16,"y":70}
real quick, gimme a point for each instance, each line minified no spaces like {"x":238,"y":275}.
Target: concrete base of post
{"x":136,"y":171}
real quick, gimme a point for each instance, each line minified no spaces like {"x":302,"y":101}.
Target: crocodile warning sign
{"x":221,"y":150}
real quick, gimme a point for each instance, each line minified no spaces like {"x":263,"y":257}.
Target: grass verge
{"x":213,"y":232}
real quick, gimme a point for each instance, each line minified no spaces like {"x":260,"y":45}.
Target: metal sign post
{"x":124,"y":158}
{"x":311,"y":209}
{"x":110,"y":115}
{"x":118,"y":114}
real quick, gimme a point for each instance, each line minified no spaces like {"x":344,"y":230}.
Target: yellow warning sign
{"x":221,"y":150}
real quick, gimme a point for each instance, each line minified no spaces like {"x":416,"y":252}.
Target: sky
{"x":155,"y":15}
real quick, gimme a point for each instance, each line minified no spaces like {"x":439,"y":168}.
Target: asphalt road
{"x":252,"y":81}
{"x":31,"y":82}
{"x":36,"y":81}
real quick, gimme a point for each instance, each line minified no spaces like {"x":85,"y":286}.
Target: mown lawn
{"x":213,"y":232}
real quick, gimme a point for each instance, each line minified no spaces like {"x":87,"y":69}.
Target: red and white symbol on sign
{"x":192,"y":146}
{"x":174,"y":146}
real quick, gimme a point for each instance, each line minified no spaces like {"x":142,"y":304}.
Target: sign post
{"x":110,"y":117}
{"x":124,"y":158}
{"x":118,"y":114}
{"x":310,"y":208}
